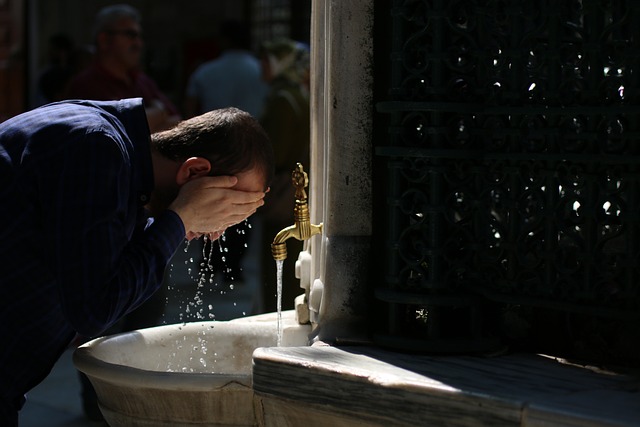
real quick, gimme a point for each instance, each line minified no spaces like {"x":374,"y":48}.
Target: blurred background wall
{"x":178,"y":36}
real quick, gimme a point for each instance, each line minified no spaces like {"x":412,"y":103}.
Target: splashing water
{"x":194,"y":307}
{"x":197,"y":307}
{"x":279,"y":265}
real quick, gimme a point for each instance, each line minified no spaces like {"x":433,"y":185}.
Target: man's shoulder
{"x":213,"y":66}
{"x":245,"y":59}
{"x":230,"y":61}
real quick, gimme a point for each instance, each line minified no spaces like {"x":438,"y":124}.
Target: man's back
{"x":69,"y":175}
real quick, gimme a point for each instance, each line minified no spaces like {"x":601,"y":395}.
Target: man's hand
{"x":209,"y":205}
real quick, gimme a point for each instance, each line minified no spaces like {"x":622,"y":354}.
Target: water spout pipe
{"x":302,"y":229}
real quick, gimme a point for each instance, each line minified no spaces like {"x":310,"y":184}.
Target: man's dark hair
{"x":231,"y":139}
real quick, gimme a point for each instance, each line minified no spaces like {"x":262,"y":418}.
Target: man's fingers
{"x":215,"y":235}
{"x":237,"y":197}
{"x":224,"y":185}
{"x":211,"y":203}
{"x":223,"y":181}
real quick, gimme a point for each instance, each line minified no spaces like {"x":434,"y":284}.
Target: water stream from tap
{"x":279,"y":266}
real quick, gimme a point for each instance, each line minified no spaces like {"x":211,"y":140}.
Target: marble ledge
{"x":369,"y":386}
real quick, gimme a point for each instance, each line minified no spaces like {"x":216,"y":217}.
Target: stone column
{"x":340,"y":179}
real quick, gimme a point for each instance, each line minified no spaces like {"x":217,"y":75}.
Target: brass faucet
{"x":302,"y":229}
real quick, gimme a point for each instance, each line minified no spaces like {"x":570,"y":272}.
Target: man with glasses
{"x":116,"y":72}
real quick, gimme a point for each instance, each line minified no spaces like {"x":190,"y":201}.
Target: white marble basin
{"x":183,"y":374}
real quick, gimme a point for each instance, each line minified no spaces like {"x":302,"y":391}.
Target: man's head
{"x":224,"y":142}
{"x":234,"y":35}
{"x":118,"y":36}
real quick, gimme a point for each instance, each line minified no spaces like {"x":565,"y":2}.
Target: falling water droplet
{"x":279,"y":266}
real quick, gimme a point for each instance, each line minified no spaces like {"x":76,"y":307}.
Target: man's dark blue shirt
{"x":77,"y":249}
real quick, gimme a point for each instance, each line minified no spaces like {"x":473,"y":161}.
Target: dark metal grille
{"x":512,"y":166}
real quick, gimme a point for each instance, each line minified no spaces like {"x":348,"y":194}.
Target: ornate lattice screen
{"x":511,"y":148}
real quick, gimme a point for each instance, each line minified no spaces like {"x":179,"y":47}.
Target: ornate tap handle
{"x":302,"y":229}
{"x":300,"y":181}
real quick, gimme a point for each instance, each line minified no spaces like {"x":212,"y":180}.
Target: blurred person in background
{"x":116,"y":71}
{"x":65,"y":61}
{"x":54,"y":80}
{"x":231,"y":80}
{"x":286,"y":119}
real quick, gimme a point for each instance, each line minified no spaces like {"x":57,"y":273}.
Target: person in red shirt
{"x":116,"y":72}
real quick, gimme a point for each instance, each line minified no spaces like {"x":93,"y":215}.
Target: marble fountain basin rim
{"x":145,"y":357}
{"x":183,"y":375}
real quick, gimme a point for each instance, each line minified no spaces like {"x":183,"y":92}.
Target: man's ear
{"x":193,"y":167}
